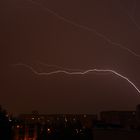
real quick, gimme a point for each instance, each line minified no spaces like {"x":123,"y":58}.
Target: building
{"x":121,"y":118}
{"x":34,"y":125}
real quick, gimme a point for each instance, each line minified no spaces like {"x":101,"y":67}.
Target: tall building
{"x":138,"y":113}
{"x":122,"y":118}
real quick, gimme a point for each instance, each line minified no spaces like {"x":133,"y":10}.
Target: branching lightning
{"x":66,"y":69}
{"x":80,"y":73}
{"x":134,"y":7}
{"x":108,"y":40}
{"x":59,"y":67}
{"x":131,"y":17}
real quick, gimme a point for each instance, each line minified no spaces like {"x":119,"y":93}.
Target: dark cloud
{"x":30,"y":34}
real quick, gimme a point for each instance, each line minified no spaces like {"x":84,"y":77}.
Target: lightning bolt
{"x":134,"y":7}
{"x":66,"y":69}
{"x":59,"y":67}
{"x":108,"y":40}
{"x":80,"y":73}
{"x":131,"y":15}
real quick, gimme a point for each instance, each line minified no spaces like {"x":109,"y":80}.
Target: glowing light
{"x":18,"y":126}
{"x":108,"y":40}
{"x":80,"y":73}
{"x":85,"y":115}
{"x":48,"y":130}
{"x":66,"y":119}
{"x":74,"y":119}
{"x":76,"y":130}
{"x":10,"y":120}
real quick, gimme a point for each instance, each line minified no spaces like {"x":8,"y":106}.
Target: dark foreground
{"x":116,"y":134}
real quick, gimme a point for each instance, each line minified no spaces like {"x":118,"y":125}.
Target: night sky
{"x":32,"y":35}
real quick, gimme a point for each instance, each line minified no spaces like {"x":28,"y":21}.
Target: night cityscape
{"x":111,"y":125}
{"x":69,"y":70}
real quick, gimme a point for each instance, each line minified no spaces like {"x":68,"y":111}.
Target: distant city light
{"x":85,"y":115}
{"x":48,"y":130}
{"x":18,"y":126}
